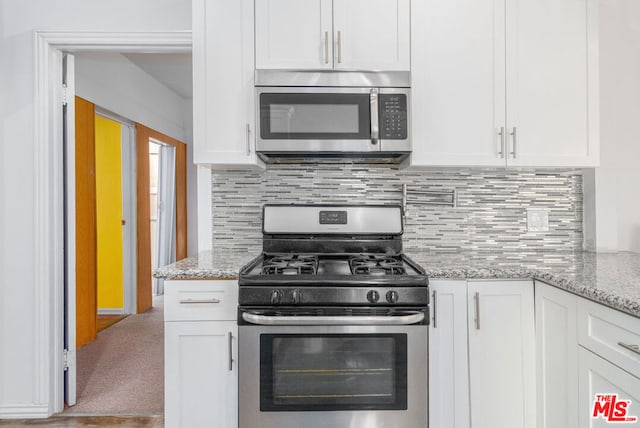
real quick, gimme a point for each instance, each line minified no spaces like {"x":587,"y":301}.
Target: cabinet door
{"x":557,"y":352}
{"x":448,"y":364}
{"x":294,"y":34}
{"x":223,"y":95}
{"x":201,"y":374}
{"x":371,"y":34}
{"x":501,"y":354}
{"x":458,"y":82}
{"x":599,"y":376}
{"x":552,"y":80}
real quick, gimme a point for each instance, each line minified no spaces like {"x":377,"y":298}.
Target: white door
{"x":201,"y":374}
{"x":501,"y":354}
{"x":69,"y":337}
{"x":372,"y":34}
{"x":552,"y":82}
{"x":448,"y":363}
{"x":557,"y":352}
{"x":293,"y":34}
{"x":599,"y":376}
{"x":223,"y":81}
{"x":458,"y":82}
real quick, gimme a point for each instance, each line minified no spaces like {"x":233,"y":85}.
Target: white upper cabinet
{"x":372,"y":34}
{"x":458,"y":90}
{"x":223,"y":82}
{"x":338,"y":34}
{"x":294,"y":34}
{"x":551,"y":85}
{"x":498,"y":83}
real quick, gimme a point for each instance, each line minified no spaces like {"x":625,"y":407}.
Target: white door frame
{"x":49,"y":239}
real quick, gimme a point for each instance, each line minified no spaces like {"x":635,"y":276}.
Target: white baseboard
{"x":24,"y":411}
{"x":110,"y":311}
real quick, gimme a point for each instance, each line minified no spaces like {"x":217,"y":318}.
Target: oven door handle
{"x":333,"y":320}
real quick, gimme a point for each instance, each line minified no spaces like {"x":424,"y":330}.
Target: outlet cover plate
{"x":537,"y":220}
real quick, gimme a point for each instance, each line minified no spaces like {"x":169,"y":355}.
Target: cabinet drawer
{"x":200,"y":300}
{"x":606,"y":331}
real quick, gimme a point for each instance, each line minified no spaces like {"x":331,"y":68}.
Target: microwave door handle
{"x":333,"y":320}
{"x":375,"y":128}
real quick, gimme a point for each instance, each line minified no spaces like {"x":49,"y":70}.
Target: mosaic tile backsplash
{"x":490,"y":213}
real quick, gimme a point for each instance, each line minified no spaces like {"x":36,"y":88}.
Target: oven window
{"x":289,"y":116}
{"x":333,"y":372}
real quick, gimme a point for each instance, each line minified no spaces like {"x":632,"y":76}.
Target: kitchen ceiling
{"x":172,"y":70}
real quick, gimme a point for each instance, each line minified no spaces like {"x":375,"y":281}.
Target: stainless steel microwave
{"x":311,"y":122}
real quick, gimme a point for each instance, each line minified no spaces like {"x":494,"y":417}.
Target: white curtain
{"x":166,"y":223}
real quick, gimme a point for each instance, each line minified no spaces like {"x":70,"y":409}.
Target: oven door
{"x":313,"y":376}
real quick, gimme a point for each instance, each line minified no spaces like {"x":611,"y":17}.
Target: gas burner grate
{"x":376,"y":265}
{"x":290,"y":265}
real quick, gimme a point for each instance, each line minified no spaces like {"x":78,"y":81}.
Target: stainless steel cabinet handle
{"x":632,"y":348}
{"x":501,"y":134}
{"x":333,"y":320}
{"x":339,"y":47}
{"x":375,"y":129}
{"x":230,"y":336}
{"x":248,"y":139}
{"x":477,"y":298}
{"x":190,"y":301}
{"x":513,"y":142}
{"x":435,"y":309}
{"x":326,"y":47}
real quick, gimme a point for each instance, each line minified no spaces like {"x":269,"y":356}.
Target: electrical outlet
{"x":537,"y":220}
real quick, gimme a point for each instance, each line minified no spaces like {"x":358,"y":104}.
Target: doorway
{"x":109,"y":366}
{"x":50,"y":266}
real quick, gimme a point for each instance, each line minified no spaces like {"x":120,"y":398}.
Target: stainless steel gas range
{"x":333,"y":322}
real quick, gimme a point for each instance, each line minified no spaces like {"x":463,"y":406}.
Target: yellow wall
{"x":109,"y":213}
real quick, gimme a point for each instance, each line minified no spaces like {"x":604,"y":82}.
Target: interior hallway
{"x":122,"y":371}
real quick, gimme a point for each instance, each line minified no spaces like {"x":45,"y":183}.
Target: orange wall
{"x":109,"y":213}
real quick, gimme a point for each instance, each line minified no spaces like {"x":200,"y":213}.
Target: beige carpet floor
{"x":122,"y":371}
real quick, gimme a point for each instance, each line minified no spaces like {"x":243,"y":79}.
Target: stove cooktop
{"x":330,"y":265}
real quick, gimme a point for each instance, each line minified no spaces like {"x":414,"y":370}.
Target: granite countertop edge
{"x":193,"y":269}
{"x":608,"y":298}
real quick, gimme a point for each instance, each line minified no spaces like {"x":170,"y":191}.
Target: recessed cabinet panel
{"x":501,"y":354}
{"x":294,"y":34}
{"x":457,"y":71}
{"x":549,"y":44}
{"x":599,"y":376}
{"x":223,"y":73}
{"x":448,"y":363}
{"x":557,"y":352}
{"x":371,"y":34}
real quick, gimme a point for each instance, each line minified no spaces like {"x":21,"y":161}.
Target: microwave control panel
{"x":393,"y":116}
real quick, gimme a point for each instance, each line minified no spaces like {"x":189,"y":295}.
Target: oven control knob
{"x":276,"y":296}
{"x":392,"y":296}
{"x":296,"y":296}
{"x":373,"y":296}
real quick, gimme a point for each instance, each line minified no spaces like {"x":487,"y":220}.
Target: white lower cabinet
{"x":496,"y":320}
{"x":557,"y":352}
{"x":448,"y":363}
{"x":501,"y":354}
{"x":599,"y":376}
{"x":201,"y":354}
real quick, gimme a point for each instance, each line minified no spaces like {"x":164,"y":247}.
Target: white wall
{"x":615,"y":186}
{"x":20,"y":383}
{"x":113,"y":82}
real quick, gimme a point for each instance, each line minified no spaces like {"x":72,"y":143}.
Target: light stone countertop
{"x":610,"y":279}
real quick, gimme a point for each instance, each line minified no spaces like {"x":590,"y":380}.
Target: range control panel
{"x":393,"y":116}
